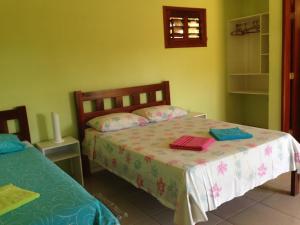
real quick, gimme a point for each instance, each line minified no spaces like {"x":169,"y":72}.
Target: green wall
{"x":275,"y":64}
{"x":51,"y":48}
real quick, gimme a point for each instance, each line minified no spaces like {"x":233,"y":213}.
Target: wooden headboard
{"x":19,"y":113}
{"x":116,"y":97}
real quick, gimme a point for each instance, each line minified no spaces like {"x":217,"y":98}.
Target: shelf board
{"x":249,"y":74}
{"x":248,"y":17}
{"x":59,"y":156}
{"x":48,"y":145}
{"x":264,"y":54}
{"x":250,"y":92}
{"x":264,"y":34}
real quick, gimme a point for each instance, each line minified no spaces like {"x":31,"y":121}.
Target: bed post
{"x":81,"y":126}
{"x":295,"y":179}
{"x":23,"y":120}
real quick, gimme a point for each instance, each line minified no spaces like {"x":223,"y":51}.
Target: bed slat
{"x":99,"y":104}
{"x":119,"y":101}
{"x":151,"y":96}
{"x":135,"y":99}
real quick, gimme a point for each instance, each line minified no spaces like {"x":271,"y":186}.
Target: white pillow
{"x":160,"y":113}
{"x":116,"y":121}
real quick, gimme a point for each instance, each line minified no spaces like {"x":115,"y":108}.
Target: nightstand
{"x":197,"y":114}
{"x":67,"y":150}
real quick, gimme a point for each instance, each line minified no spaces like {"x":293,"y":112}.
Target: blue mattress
{"x":62,"y":200}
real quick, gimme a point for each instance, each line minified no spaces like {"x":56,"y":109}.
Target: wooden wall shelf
{"x":248,"y":55}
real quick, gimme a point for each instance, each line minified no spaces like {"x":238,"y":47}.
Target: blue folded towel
{"x":229,"y":134}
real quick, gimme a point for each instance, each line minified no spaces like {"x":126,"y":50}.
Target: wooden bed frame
{"x":19,"y":113}
{"x":116,"y":96}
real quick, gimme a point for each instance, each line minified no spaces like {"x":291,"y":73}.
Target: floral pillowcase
{"x":160,"y":113}
{"x":116,"y":121}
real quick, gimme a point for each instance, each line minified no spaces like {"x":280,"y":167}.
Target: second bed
{"x":191,"y":182}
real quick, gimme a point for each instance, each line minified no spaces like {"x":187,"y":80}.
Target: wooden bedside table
{"x":67,"y":150}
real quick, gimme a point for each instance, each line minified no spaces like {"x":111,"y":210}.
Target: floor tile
{"x":285,"y":203}
{"x":280,"y":184}
{"x":165,"y":217}
{"x":147,"y":221}
{"x":107,"y":183}
{"x":212,"y":219}
{"x":114,"y":207}
{"x":276,"y":207}
{"x":262,"y":215}
{"x":135,"y":215}
{"x":233,"y":207}
{"x":146,"y":203}
{"x":224,"y":223}
{"x":260,"y":193}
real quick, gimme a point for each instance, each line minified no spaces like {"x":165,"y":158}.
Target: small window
{"x":184,"y":27}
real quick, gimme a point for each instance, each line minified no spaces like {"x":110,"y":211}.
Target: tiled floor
{"x":270,"y":204}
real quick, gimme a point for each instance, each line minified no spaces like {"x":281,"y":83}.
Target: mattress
{"x":193,"y":182}
{"x":62,"y":200}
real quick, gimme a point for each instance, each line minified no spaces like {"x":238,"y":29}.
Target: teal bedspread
{"x":62,"y":200}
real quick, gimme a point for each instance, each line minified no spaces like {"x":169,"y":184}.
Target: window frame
{"x":185,"y":13}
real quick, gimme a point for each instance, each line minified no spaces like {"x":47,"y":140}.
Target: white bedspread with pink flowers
{"x":193,"y":182}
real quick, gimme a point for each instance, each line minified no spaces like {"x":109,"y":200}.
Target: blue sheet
{"x":62,"y":202}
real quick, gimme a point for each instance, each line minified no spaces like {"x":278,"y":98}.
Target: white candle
{"x":56,"y":128}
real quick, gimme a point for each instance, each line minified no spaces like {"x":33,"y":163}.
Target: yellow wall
{"x":234,"y":102}
{"x":275,"y":64}
{"x":51,"y":48}
{"x":240,"y":8}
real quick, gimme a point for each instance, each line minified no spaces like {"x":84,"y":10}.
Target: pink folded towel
{"x":192,"y":143}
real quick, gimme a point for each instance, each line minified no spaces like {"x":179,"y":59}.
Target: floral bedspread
{"x":193,"y":182}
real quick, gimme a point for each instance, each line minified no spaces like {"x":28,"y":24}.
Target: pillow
{"x":116,"y":121}
{"x":161,"y":112}
{"x":10,"y":143}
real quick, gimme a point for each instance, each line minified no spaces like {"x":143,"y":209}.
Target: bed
{"x":62,"y":200}
{"x":191,"y":183}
